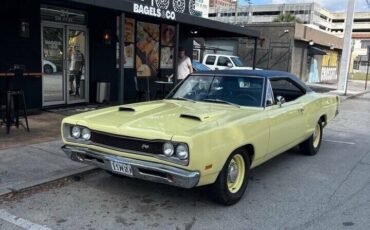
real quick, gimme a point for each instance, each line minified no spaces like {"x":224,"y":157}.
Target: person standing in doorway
{"x":184,"y":67}
{"x":76,"y":63}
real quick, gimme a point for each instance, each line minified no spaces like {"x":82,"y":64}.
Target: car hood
{"x":162,"y":119}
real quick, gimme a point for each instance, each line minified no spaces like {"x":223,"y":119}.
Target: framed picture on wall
{"x":129,"y":32}
{"x":167,"y":35}
{"x":147,"y":49}
{"x":129,"y":55}
{"x":167,"y":57}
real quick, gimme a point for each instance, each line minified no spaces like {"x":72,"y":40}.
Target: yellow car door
{"x":285,"y":115}
{"x":286,"y":126}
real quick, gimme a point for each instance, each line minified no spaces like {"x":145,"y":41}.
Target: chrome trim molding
{"x":141,"y":169}
{"x":67,"y":136}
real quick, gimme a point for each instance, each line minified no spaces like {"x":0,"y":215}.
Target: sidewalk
{"x":28,"y":166}
{"x":355,"y":88}
{"x":43,"y":127}
{"x":28,"y":159}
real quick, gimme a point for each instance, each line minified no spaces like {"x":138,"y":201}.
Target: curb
{"x":354,"y":95}
{"x":28,"y":186}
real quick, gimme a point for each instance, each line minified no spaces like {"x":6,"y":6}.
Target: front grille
{"x":126,"y":143}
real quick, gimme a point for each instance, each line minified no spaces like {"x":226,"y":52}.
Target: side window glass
{"x":222,"y":61}
{"x":269,"y":95}
{"x":286,"y":89}
{"x":210,"y":60}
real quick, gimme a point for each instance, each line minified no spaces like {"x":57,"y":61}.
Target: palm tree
{"x":287,"y":17}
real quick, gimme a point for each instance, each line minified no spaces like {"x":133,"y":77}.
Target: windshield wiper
{"x":221,"y":101}
{"x":184,"y":99}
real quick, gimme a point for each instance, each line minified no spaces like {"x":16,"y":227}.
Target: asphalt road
{"x":328,"y":191}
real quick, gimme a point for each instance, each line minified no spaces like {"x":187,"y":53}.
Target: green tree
{"x":287,"y":17}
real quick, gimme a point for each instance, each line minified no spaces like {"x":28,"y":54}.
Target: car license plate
{"x":121,"y":168}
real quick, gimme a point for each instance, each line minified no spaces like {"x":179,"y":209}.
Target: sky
{"x":332,"y":5}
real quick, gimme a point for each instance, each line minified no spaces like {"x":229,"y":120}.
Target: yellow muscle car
{"x":210,"y":130}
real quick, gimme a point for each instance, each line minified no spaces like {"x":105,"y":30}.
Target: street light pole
{"x":346,"y":52}
{"x":368,"y":62}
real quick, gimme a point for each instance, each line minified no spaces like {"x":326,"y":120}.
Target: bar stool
{"x":14,"y":97}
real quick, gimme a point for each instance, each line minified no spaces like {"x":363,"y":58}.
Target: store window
{"x":129,"y":39}
{"x":167,"y":44}
{"x":148,"y":47}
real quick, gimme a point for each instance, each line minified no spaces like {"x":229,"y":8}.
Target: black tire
{"x":48,"y":69}
{"x":220,"y":192}
{"x":308,"y":147}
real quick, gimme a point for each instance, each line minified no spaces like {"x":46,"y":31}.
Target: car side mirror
{"x":280,"y":100}
{"x":229,"y":64}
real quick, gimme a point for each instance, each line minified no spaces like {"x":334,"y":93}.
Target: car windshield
{"x":238,"y":62}
{"x":232,"y":90}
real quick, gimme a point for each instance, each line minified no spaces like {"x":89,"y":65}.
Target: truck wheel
{"x":233,"y":179}
{"x":312,"y":145}
{"x":48,"y":69}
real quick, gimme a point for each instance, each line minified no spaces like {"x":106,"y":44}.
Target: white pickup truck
{"x":222,"y":61}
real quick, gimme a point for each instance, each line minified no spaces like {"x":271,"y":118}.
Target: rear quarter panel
{"x":317,"y":106}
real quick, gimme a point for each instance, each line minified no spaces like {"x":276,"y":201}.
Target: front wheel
{"x":312,"y":145}
{"x":233,"y":179}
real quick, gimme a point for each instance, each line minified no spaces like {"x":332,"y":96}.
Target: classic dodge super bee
{"x":210,"y":130}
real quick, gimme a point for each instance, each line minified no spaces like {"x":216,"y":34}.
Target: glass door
{"x":64,"y":64}
{"x":77,"y":64}
{"x":53,"y":82}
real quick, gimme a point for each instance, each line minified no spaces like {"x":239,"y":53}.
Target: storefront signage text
{"x":153,"y":11}
{"x":165,"y":8}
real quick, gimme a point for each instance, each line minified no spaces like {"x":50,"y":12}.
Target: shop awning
{"x":204,"y":27}
{"x":316,"y":51}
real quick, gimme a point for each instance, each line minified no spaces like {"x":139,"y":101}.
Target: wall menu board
{"x":147,"y":49}
{"x":129,"y":39}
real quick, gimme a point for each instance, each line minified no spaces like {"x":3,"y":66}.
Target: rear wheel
{"x":233,"y":179}
{"x":312,"y":145}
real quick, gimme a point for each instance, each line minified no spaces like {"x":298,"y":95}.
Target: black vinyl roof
{"x":260,"y":73}
{"x":268,"y":74}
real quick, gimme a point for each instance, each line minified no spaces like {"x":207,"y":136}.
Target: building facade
{"x":202,"y":6}
{"x":221,"y":3}
{"x":67,"y":49}
{"x":310,"y":14}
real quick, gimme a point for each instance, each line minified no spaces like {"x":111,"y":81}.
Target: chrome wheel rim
{"x":316,"y":136}
{"x":235,"y":173}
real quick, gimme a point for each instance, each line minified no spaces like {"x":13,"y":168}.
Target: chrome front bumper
{"x":141,"y":169}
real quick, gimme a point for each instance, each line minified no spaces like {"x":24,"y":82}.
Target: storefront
{"x":73,"y":45}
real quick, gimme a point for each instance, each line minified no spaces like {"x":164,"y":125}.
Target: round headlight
{"x":182,"y":152}
{"x":76,"y":132}
{"x":86,"y":134}
{"x":168,"y":149}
